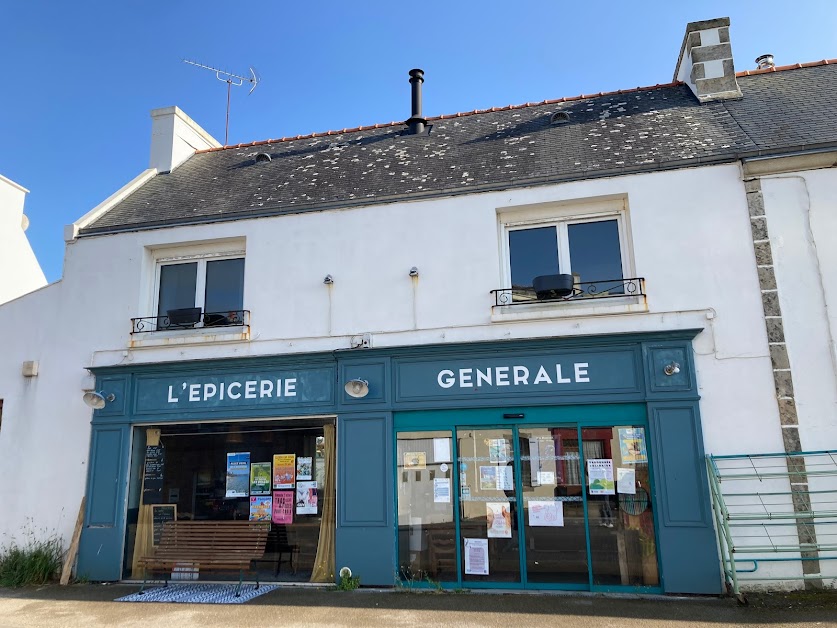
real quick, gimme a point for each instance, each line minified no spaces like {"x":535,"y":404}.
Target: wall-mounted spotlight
{"x":97,"y":400}
{"x":357,"y":388}
{"x":414,"y":271}
{"x":328,"y":280}
{"x":671,"y":369}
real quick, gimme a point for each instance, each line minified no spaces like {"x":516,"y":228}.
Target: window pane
{"x":224,"y":285}
{"x":595,"y":254}
{"x":532,"y":252}
{"x":177,"y":287}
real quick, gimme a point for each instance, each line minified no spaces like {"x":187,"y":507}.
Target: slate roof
{"x":611,"y":134}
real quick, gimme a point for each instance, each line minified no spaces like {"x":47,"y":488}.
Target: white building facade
{"x":502,"y":435}
{"x":19,"y":269}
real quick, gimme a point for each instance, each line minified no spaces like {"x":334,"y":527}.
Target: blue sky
{"x":81,"y":77}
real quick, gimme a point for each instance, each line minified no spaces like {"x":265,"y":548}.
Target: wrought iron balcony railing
{"x":582,"y":291}
{"x":189,"y":320}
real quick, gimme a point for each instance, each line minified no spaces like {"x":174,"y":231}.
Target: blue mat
{"x":200,"y":594}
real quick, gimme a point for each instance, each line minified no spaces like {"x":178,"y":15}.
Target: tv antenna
{"x":231,"y":80}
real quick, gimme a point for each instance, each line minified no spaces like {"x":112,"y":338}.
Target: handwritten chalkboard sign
{"x":160,"y":514}
{"x":155,"y":465}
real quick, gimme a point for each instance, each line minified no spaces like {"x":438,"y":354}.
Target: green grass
{"x":36,"y":562}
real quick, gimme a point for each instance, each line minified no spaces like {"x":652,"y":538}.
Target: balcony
{"x":588,"y":292}
{"x":190,"y":319}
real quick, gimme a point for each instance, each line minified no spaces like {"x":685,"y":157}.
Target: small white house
{"x":491,"y":349}
{"x":19,"y":269}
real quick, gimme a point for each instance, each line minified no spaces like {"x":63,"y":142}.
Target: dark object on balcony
{"x":552,"y":286}
{"x":184,"y":317}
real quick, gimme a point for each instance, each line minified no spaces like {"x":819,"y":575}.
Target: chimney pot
{"x":416,"y":121}
{"x":765,"y":61}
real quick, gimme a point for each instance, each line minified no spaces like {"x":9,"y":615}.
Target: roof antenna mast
{"x":231,"y":80}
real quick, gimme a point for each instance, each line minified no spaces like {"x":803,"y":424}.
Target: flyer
{"x":441,"y":450}
{"x":283,"y":470}
{"x":632,"y":445}
{"x":260,"y":508}
{"x":238,"y":474}
{"x":505,"y":478}
{"x":499,"y":450}
{"x":488,"y":478}
{"x":600,"y":476}
{"x":441,"y":490}
{"x":306,"y":498}
{"x":546,"y":478}
{"x":260,"y":478}
{"x":476,"y":557}
{"x":499,"y":520}
{"x":415,"y":460}
{"x":546,"y":514}
{"x":283,"y":507}
{"x":626,"y":481}
{"x":304,"y":467}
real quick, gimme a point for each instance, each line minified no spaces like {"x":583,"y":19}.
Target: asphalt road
{"x":92,"y":606}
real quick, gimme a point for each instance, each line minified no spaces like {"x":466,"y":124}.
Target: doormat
{"x":200,"y":594}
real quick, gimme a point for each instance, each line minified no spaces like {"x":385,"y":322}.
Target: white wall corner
{"x":71,"y":231}
{"x":175,"y":137}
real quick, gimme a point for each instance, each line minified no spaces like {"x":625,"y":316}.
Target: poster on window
{"x":476,"y":557}
{"x":283,"y":507}
{"x":441,"y":450}
{"x":238,"y":475}
{"x":488,"y":478}
{"x":284,"y":467}
{"x":304,"y":468}
{"x":600,"y":476}
{"x":306,"y":498}
{"x":260,"y":508}
{"x":505,"y":478}
{"x":441,"y":490}
{"x":626,"y":481}
{"x":499,"y":450}
{"x":415,"y":460}
{"x":632,"y":445}
{"x":260,"y":478}
{"x":498,"y":515}
{"x":546,"y":514}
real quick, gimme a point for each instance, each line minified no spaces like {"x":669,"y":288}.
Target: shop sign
{"x":234,"y":390}
{"x":518,"y":376}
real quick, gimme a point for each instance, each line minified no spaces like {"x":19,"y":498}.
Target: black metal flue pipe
{"x":416,"y":122}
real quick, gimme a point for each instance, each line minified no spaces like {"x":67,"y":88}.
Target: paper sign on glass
{"x":441,"y":490}
{"x":546,"y":514}
{"x":488,"y":478}
{"x":505,"y":478}
{"x":499,"y":450}
{"x":284,"y":470}
{"x":626,"y":481}
{"x":632,"y":445}
{"x":306,"y":498}
{"x":260,"y":478}
{"x":238,"y":475}
{"x":304,"y":466}
{"x":476,"y":557}
{"x":283,"y":507}
{"x":415,"y":460}
{"x":441,"y":450}
{"x":499,"y":520}
{"x":546,"y":478}
{"x":260,"y":508}
{"x":600,"y":476}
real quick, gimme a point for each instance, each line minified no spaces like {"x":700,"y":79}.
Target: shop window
{"x":277,"y":472}
{"x":206,"y":291}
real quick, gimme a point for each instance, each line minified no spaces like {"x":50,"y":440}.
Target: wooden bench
{"x":207,"y":546}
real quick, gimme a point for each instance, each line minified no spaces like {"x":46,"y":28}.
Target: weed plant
{"x":35,"y":561}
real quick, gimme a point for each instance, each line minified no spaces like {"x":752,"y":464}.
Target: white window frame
{"x":563,"y":243}
{"x":200,"y":279}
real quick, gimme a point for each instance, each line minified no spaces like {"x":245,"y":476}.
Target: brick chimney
{"x":705,"y":62}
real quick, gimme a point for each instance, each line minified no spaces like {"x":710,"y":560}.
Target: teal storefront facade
{"x":563,"y":405}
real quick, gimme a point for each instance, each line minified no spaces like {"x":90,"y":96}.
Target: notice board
{"x":160,"y":514}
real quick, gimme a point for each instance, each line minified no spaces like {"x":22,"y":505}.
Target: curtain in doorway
{"x":324,"y":563}
{"x":144,"y":539}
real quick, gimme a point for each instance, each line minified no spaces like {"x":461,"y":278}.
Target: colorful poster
{"x":600,"y":476}
{"x":476,"y":557}
{"x":283,"y":470}
{"x":546,"y":514}
{"x":441,"y":490}
{"x":499,"y":450}
{"x":488,"y":478}
{"x":283,"y":507}
{"x":626,"y":481}
{"x":505,"y":478}
{"x":304,"y":468}
{"x":441,"y":450}
{"x":260,"y":508}
{"x":306,"y":498}
{"x":632,"y":445}
{"x":499,"y":520}
{"x":415,"y":460}
{"x":238,"y":475}
{"x":260,"y":478}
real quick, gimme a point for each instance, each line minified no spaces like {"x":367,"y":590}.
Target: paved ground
{"x":92,"y":606}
